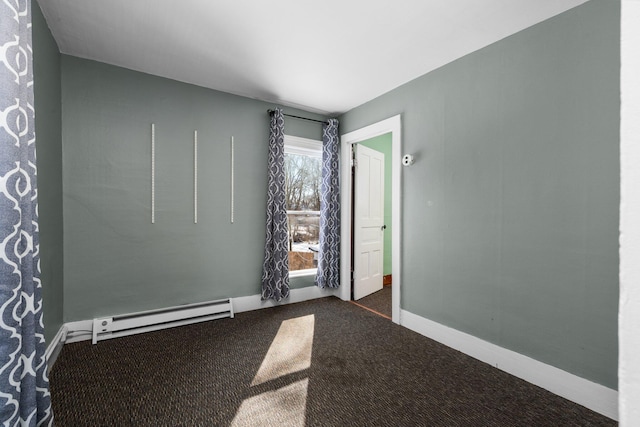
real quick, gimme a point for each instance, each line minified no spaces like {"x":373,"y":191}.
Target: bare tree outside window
{"x":302,"y":191}
{"x":302,"y":180}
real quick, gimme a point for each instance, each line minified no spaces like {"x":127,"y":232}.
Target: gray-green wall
{"x":47,"y":96}
{"x":116,"y":261}
{"x":382,"y":144}
{"x":510,"y":213}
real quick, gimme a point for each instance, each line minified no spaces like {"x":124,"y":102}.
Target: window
{"x":303,"y":172}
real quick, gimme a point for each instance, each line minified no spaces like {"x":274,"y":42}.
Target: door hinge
{"x":354,"y":160}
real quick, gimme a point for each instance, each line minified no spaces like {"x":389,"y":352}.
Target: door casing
{"x":391,"y":125}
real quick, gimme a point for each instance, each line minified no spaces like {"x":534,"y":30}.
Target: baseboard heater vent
{"x":153,"y":320}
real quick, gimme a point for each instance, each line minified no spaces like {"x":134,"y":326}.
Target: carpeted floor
{"x":319,"y":363}
{"x":380,"y":301}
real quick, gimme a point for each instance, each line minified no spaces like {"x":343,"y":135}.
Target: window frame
{"x":302,"y":147}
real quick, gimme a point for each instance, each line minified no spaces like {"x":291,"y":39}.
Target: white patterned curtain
{"x":24,"y":387}
{"x":275,"y":270}
{"x":329,"y":254}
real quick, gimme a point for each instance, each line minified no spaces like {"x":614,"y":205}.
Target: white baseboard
{"x":254,"y":302}
{"x":594,"y":396}
{"x":53,"y":349}
{"x":79,"y":331}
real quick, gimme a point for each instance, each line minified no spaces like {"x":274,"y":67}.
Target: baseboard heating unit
{"x":153,"y":320}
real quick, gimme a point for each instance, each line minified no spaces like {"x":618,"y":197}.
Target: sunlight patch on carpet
{"x":282,"y":407}
{"x":290,"y":350}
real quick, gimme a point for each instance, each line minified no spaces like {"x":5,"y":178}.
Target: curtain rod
{"x":299,"y":117}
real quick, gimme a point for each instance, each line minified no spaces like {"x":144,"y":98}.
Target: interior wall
{"x":382,"y":144}
{"x":116,"y":260}
{"x":510,"y":213}
{"x":48,"y":120}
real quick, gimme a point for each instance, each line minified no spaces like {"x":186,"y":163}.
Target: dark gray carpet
{"x":365,"y":371}
{"x":380,"y":301}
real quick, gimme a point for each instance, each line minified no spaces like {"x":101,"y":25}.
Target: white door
{"x":368,"y":222}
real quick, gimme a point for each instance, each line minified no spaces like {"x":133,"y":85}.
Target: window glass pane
{"x":302,"y":174}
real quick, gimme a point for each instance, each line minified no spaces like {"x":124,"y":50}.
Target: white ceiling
{"x":325,"y":56}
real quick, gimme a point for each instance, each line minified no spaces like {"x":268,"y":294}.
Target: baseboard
{"x":54,"y":347}
{"x":594,"y":396}
{"x":79,"y":331}
{"x":254,"y":302}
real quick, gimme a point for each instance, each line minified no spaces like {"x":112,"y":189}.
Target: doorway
{"x":371,"y":224}
{"x":393,"y":126}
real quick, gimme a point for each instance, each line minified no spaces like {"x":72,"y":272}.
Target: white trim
{"x":391,"y":125}
{"x":629,"y":305}
{"x":53,"y":349}
{"x":80,"y":330}
{"x":254,"y":302}
{"x":303,"y":273}
{"x":594,"y":396}
{"x":302,"y":146}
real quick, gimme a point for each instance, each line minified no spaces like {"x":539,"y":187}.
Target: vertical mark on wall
{"x":232,"y":189}
{"x":195,"y":176}
{"x":153,"y":173}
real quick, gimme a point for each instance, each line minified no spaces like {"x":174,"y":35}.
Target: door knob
{"x":384,"y":227}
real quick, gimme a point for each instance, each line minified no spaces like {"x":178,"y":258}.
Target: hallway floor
{"x":378,"y":302}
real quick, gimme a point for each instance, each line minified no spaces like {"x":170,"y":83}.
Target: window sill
{"x":303,"y":273}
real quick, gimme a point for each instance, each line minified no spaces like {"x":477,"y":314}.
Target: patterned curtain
{"x":24,"y":387}
{"x":329,"y":254}
{"x":275,"y":270}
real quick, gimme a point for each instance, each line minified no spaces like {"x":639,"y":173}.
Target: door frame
{"x":391,"y":125}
